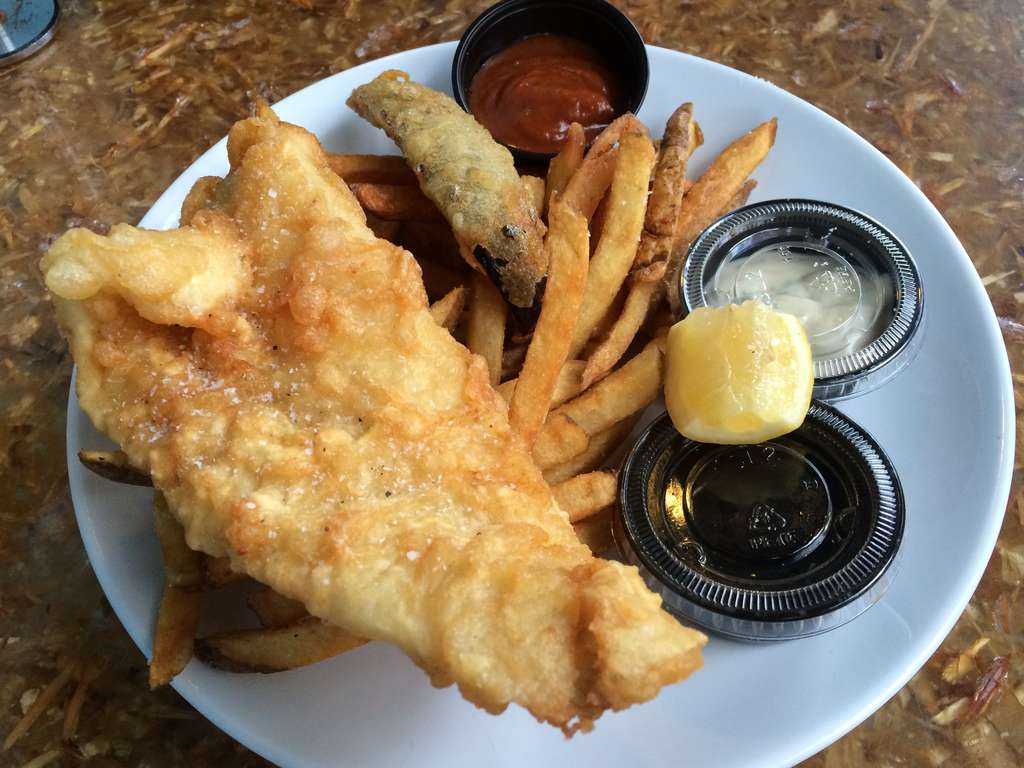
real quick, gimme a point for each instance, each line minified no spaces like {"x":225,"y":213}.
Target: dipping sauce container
{"x":529,"y":93}
{"x":851,"y":283}
{"x":800,"y":534}
{"x":785,"y":539}
{"x":597,"y":28}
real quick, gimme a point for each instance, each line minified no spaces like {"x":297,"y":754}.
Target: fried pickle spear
{"x":468,"y":175}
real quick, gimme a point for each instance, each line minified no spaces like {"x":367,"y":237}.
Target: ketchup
{"x":528,"y":94}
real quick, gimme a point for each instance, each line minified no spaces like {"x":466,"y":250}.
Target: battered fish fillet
{"x":275,"y":367}
{"x":468,"y":175}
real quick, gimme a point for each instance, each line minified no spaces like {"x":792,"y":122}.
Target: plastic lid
{"x":784,"y":539}
{"x":850,"y":282}
{"x":25,"y":27}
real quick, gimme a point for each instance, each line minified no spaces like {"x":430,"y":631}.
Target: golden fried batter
{"x":275,"y":367}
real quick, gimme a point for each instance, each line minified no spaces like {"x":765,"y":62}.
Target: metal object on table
{"x":25,"y":27}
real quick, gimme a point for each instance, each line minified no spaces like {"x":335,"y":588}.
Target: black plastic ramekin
{"x":785,"y":539}
{"x":599,"y":24}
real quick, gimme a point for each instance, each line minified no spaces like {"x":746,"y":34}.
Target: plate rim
{"x":975,"y":570}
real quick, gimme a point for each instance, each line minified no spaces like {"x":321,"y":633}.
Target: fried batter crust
{"x":275,"y":367}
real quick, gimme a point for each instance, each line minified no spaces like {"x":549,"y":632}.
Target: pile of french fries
{"x":620,"y":218}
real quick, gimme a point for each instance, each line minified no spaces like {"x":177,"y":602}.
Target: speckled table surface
{"x":96,"y":125}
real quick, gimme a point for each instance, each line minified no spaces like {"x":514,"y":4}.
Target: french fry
{"x":590,"y":182}
{"x":274,"y":609}
{"x":395,"y":202}
{"x":641,"y":295}
{"x":586,"y":494}
{"x":596,"y":532}
{"x":613,"y":133}
{"x":447,"y":311}
{"x":622,"y":393}
{"x":656,"y":271}
{"x":175,"y":634}
{"x":183,"y":567}
{"x":682,"y":137}
{"x":712,"y":192}
{"x":646,"y":289}
{"x":561,"y":439}
{"x":567,"y":386}
{"x":113,"y":465}
{"x":616,"y":250}
{"x":372,"y":169}
{"x":217,"y":572}
{"x":568,"y":254}
{"x":593,"y":176}
{"x":719,"y":183}
{"x":597,"y":223}
{"x":276,"y":649}
{"x":535,"y":191}
{"x":485,"y":324}
{"x":564,"y":164}
{"x":740,"y":198}
{"x":605,"y":323}
{"x":602,"y":445}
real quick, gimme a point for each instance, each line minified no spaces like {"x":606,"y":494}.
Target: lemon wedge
{"x":738,"y":374}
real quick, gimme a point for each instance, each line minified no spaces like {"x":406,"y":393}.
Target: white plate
{"x":947,"y":422}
